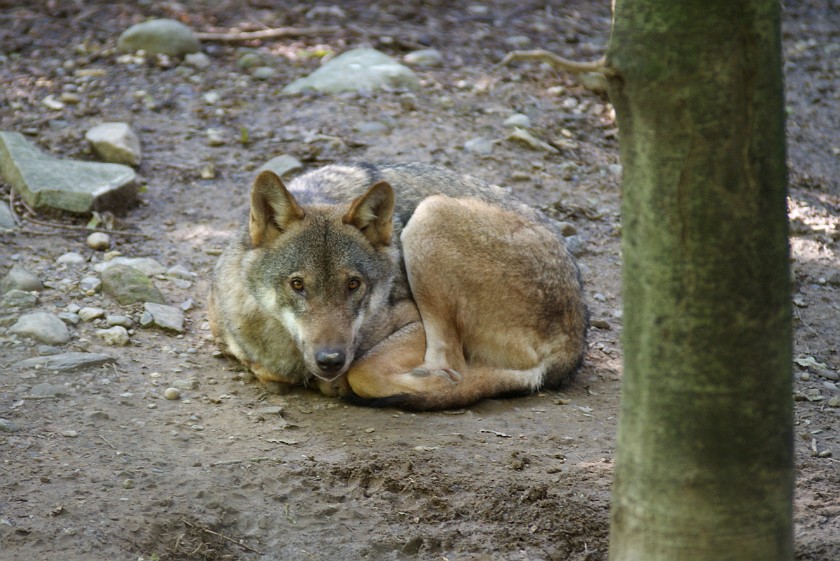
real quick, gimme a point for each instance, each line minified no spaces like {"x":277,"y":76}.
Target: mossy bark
{"x":704,"y":467}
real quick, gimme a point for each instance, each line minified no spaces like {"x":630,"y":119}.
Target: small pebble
{"x":100,"y":241}
{"x":90,"y":313}
{"x":370,"y":430}
{"x":128,"y":484}
{"x":172,"y":394}
{"x":834,"y":402}
{"x":116,"y":336}
{"x":70,"y":258}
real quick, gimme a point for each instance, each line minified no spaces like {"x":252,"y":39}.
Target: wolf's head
{"x":322,"y":270}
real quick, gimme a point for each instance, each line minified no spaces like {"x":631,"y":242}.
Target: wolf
{"x":404,"y":285}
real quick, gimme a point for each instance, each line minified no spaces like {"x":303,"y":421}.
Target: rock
{"x":249,"y":60}
{"x":69,"y":318}
{"x":357,"y":70}
{"x":197,"y":60}
{"x":18,"y":299}
{"x":834,"y":402}
{"x":115,"y":319}
{"x":576,"y":245}
{"x":371,"y":127}
{"x":66,"y":361}
{"x":18,"y":278}
{"x":99,"y":241}
{"x":46,"y":389}
{"x":90,"y":285}
{"x":594,"y":81}
{"x":528,"y":140}
{"x":479,"y":145}
{"x":7,"y":219}
{"x":518,"y":120}
{"x":8,"y":426}
{"x":424,"y":58}
{"x":215,"y":137}
{"x":71,"y":258}
{"x":179,"y":272}
{"x":70,"y":185}
{"x":159,"y":36}
{"x":116,"y":336}
{"x":90,"y":313}
{"x":166,"y":317}
{"x":191,"y":384}
{"x":264,"y":73}
{"x":601,"y":324}
{"x":172,"y":394}
{"x":518,"y":41}
{"x":127,"y":285}
{"x":282,"y":165}
{"x":43,"y":327}
{"x":115,"y":143}
{"x":145,"y":265}
{"x":567,"y":229}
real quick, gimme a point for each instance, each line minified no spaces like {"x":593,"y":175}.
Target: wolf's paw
{"x":277,"y":388}
{"x":446,"y":373}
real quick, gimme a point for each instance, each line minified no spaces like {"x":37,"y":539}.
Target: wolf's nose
{"x":330,"y":360}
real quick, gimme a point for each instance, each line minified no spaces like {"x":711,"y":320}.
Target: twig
{"x":557,"y":61}
{"x":238,"y":36}
{"x":71,"y":227}
{"x":224,"y":537}
{"x":244,"y":460}
{"x":106,"y":441}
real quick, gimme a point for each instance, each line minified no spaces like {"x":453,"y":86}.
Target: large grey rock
{"x":18,"y":299}
{"x":66,"y":361}
{"x":159,"y":36}
{"x":357,"y":70}
{"x":72,"y":185}
{"x":115,"y":143}
{"x":128,"y":285}
{"x":18,"y":278}
{"x":169,"y":318}
{"x":43,"y":327}
{"x":7,"y":219}
{"x":282,"y":165}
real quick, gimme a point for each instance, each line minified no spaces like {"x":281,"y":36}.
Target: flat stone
{"x":46,"y":389}
{"x":66,"y":361}
{"x":479,"y":145}
{"x":145,"y":265}
{"x":7,"y":219}
{"x":166,"y":317}
{"x":44,"y":181}
{"x":90,"y":313}
{"x":19,"y":278}
{"x":18,"y":299}
{"x":282,"y":165}
{"x":518,"y":120}
{"x":357,"y":70}
{"x":115,"y":143}
{"x":424,"y":58}
{"x":43,"y":327}
{"x":8,"y":426}
{"x":159,"y":36}
{"x":127,"y":285}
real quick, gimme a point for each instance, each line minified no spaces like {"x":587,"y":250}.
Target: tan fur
{"x":407,"y":285}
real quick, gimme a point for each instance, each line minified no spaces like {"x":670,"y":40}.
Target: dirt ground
{"x":108,"y":468}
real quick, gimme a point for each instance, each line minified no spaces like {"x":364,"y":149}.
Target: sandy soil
{"x":110,"y":469}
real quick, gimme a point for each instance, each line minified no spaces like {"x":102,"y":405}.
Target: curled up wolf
{"x":403,"y":285}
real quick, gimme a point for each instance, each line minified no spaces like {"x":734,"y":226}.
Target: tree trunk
{"x":704,"y":465}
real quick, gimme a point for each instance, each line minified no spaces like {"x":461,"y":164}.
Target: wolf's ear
{"x":373,"y":213}
{"x":273,"y":208}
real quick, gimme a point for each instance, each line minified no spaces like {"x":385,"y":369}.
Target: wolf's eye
{"x":296,"y":284}
{"x":353,"y":284}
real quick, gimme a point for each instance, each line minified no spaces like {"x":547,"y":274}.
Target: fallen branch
{"x":244,"y":461}
{"x":559,"y":62}
{"x":224,"y":537}
{"x":71,"y":227}
{"x":275,"y":33}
